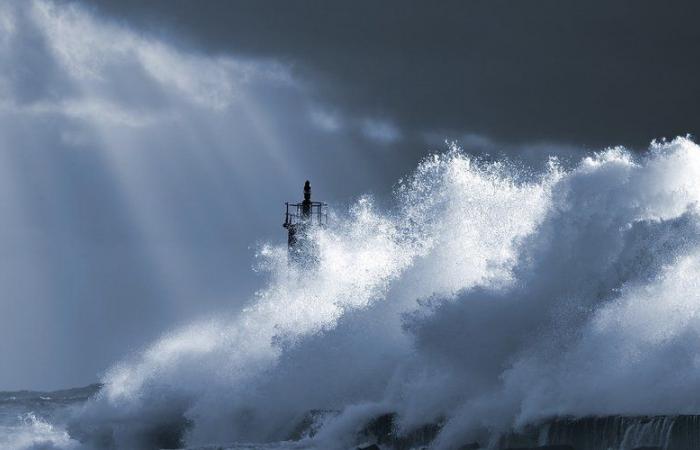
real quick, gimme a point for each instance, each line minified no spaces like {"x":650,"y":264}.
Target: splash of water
{"x":489,"y":299}
{"x":34,"y":433}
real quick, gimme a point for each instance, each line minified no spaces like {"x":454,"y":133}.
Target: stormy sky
{"x":147,"y":147}
{"x":590,"y":73}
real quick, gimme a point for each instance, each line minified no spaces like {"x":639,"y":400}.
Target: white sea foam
{"x":489,"y":298}
{"x":33,"y":433}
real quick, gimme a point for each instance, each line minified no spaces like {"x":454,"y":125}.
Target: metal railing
{"x":316,"y":214}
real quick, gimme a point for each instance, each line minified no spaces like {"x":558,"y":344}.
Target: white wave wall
{"x":490,"y":297}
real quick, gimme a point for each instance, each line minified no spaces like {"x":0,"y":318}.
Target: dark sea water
{"x":38,"y":420}
{"x":32,"y":419}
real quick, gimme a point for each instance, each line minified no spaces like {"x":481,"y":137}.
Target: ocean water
{"x":30,"y":419}
{"x":38,"y":420}
{"x":490,"y":298}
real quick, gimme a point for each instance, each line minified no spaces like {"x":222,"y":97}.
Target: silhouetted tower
{"x":299,"y":220}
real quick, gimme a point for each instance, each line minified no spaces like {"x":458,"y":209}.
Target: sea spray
{"x":211,"y":370}
{"x":488,"y":299}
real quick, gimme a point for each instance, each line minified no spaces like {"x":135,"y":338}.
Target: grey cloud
{"x":31,"y":73}
{"x":588,"y":73}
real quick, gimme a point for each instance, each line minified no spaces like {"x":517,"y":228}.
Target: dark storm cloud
{"x":591,"y":73}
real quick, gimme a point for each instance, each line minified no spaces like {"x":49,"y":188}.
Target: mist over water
{"x":488,"y":298}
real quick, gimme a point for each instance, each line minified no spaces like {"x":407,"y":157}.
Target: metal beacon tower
{"x":300,"y":219}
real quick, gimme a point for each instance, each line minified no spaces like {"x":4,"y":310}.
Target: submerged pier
{"x":663,"y":432}
{"x":615,"y":432}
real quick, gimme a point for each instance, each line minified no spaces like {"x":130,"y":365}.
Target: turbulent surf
{"x":491,"y":300}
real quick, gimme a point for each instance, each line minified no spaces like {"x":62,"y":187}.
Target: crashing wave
{"x":491,"y":298}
